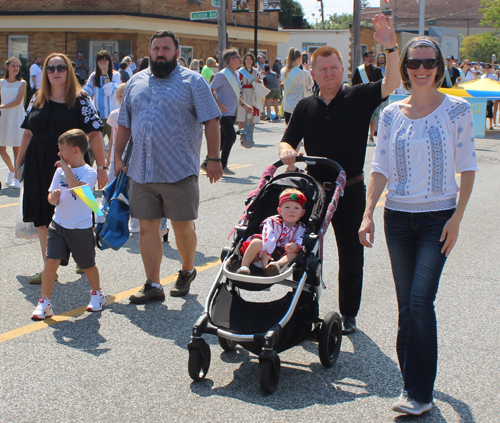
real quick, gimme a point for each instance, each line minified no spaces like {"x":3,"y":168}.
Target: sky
{"x":331,"y":7}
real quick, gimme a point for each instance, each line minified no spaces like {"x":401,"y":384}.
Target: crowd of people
{"x":422,"y":215}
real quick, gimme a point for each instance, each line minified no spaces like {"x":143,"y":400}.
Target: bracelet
{"x":392,"y":50}
{"x":102,"y":167}
{"x":214,"y":160}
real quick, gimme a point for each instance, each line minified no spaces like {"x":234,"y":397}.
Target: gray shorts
{"x":79,"y":242}
{"x":178,"y":201}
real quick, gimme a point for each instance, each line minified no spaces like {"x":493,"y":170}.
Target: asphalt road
{"x":128,"y":363}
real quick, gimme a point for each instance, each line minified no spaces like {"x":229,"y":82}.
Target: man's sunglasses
{"x":58,"y":68}
{"x":415,"y":63}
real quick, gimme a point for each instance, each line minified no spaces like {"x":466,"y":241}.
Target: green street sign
{"x":196,"y":16}
{"x":215,"y":3}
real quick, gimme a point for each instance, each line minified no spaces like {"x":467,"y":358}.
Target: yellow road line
{"x":9,"y":205}
{"x":16,"y":333}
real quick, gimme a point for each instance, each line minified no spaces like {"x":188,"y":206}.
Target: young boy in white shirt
{"x":71,"y":228}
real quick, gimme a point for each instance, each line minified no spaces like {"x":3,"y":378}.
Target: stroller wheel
{"x":226,"y":344}
{"x":330,"y":339}
{"x":269,"y":374}
{"x":199,"y":359}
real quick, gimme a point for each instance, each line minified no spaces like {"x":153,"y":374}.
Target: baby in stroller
{"x":281,"y":238}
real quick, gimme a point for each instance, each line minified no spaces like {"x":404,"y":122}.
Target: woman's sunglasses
{"x":415,"y":63}
{"x":58,"y":68}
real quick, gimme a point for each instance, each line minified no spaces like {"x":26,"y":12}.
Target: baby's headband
{"x":298,"y":198}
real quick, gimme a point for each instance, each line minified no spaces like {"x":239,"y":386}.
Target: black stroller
{"x":267,"y":328}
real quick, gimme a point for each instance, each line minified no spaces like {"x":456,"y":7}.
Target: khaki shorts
{"x":274,"y":94}
{"x":178,"y":201}
{"x":79,"y":242}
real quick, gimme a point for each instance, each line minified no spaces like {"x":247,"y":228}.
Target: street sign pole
{"x":222,"y":32}
{"x":256,"y":24}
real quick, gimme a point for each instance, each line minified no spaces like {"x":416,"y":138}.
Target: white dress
{"x":11,"y":119}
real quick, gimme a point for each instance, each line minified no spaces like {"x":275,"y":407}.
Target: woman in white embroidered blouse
{"x":423,"y":141}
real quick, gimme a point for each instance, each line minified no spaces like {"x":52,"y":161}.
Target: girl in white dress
{"x":249,"y":64}
{"x":12,"y":90}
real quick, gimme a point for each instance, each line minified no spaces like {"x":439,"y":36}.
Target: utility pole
{"x":256,"y":23}
{"x":421,"y":20}
{"x":322,"y":15}
{"x":355,"y":36}
{"x":222,"y":31}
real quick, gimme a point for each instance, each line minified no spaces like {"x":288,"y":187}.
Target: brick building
{"x":40,"y":27}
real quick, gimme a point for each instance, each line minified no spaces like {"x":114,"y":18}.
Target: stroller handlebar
{"x":313,"y":161}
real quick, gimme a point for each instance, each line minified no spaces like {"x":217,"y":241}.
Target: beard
{"x":162,"y":69}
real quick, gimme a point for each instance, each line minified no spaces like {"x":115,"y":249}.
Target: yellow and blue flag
{"x":87,"y":196}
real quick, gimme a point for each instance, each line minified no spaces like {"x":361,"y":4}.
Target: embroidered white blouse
{"x":419,"y":157}
{"x":275,"y":233}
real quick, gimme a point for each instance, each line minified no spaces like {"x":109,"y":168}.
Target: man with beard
{"x":163,"y":109}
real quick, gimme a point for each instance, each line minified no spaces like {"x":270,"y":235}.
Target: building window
{"x":18,"y":46}
{"x":187,"y":54}
{"x":96,"y":46}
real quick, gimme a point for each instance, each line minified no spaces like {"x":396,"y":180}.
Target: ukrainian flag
{"x":87,"y":196}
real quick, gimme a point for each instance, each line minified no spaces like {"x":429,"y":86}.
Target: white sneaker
{"x":42,"y":310}
{"x":408,"y":405}
{"x":227,"y":171}
{"x":243,"y":270}
{"x":10,"y":178}
{"x":15,"y":184}
{"x":97,"y":300}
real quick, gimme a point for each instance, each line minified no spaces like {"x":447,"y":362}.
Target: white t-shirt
{"x":302,"y":82}
{"x":71,"y":212}
{"x":419,"y":157}
{"x":36,"y":71}
{"x":113,"y":122}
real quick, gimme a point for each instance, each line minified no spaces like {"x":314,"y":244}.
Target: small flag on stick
{"x":87,"y":196}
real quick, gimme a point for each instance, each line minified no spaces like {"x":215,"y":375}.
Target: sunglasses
{"x":415,"y":63}
{"x":58,"y":68}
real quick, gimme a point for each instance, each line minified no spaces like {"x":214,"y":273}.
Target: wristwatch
{"x":102,"y":167}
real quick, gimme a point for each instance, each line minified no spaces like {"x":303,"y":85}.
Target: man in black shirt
{"x":452,"y":74}
{"x":334,"y":124}
{"x":363,"y":74}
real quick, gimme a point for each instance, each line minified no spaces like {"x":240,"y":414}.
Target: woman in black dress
{"x":60,"y":105}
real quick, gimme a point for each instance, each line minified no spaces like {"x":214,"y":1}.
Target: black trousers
{"x":227,"y":138}
{"x":346,"y":222}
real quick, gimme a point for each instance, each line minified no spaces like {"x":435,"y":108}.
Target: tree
{"x":491,"y":13}
{"x":289,"y":8}
{"x":336,"y":21}
{"x":480,"y":47}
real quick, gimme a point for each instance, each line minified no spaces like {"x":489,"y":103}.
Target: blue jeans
{"x":417,"y":263}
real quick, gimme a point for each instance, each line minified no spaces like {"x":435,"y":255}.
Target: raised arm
{"x":385,"y":35}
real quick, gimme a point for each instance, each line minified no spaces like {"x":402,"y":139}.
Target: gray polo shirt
{"x":166,"y":117}
{"x":225,"y":93}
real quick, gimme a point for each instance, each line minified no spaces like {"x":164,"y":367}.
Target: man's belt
{"x":330,"y":186}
